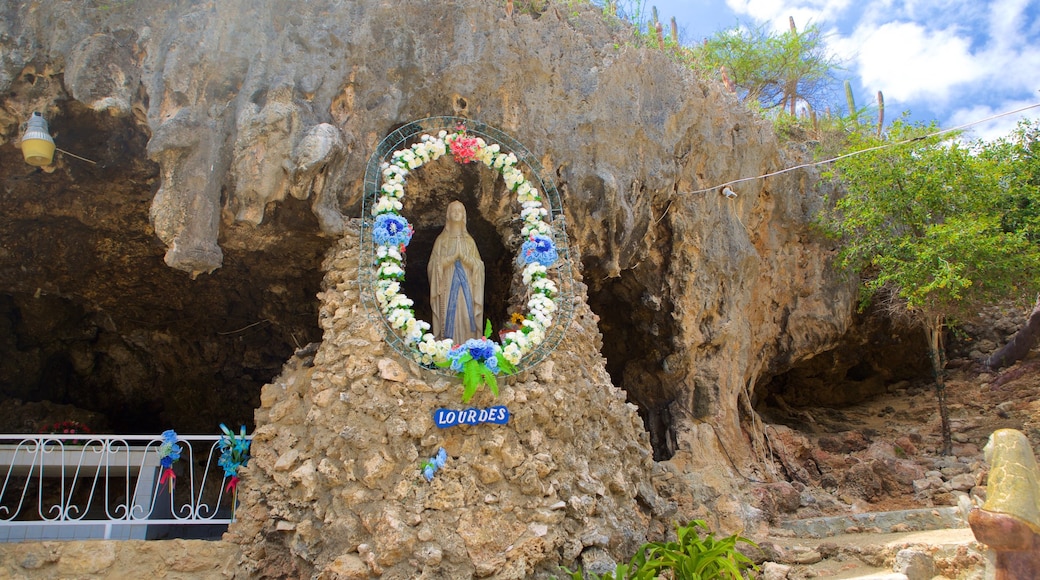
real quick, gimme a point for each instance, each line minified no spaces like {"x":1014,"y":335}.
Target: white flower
{"x":413,"y":331}
{"x":486,"y":156}
{"x":390,"y":252}
{"x":512,"y":353}
{"x":393,"y":189}
{"x":544,"y":285}
{"x":389,"y":270}
{"x":531,"y":270}
{"x":438,"y":148}
{"x":434,"y":350}
{"x":442,"y":134}
{"x":399,"y":318}
{"x":541,"y":303}
{"x":512,"y":176}
{"x":516,"y":337}
{"x":533,"y":212}
{"x":531,"y":195}
{"x":386,"y":204}
{"x":394,"y":172}
{"x":535,"y":227}
{"x":388,"y":287}
{"x":401,"y":301}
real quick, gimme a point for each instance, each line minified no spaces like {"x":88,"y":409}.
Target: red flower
{"x":464,"y":149}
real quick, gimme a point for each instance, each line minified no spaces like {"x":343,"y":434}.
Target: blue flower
{"x":234,"y":451}
{"x":455,"y":356}
{"x":492,"y":364}
{"x":169,"y":449}
{"x":430,"y":467}
{"x":538,"y":249}
{"x":391,"y":230}
{"x":481,"y":349}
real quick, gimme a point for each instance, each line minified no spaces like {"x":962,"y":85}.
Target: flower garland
{"x":477,"y":360}
{"x":169,"y":452}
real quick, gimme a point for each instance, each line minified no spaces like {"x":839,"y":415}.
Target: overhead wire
{"x":846,"y":155}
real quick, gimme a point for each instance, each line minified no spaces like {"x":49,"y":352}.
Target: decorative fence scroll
{"x":57,"y":487}
{"x":561,"y":272}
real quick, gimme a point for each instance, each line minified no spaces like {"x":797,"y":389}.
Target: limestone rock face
{"x":335,"y":487}
{"x":260,"y":118}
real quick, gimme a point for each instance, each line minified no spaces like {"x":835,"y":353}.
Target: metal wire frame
{"x":562,"y":271}
{"x":113,"y":480}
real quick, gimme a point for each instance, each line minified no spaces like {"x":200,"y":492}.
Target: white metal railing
{"x":107,"y":486}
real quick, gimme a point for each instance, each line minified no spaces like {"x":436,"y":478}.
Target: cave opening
{"x":873,"y":356}
{"x":96,"y":328}
{"x":637,"y":328}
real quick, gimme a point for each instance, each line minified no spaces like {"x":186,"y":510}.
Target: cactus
{"x":675,"y":32}
{"x":880,"y":112}
{"x":851,"y":100}
{"x":660,"y":36}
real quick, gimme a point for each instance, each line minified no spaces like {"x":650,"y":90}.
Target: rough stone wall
{"x":335,"y":489}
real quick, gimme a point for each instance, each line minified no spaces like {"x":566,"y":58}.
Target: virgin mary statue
{"x":456,"y":280}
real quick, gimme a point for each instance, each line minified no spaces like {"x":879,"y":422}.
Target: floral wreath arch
{"x":544,"y":256}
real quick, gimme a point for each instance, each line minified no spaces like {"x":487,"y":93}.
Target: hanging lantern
{"x":37,"y":144}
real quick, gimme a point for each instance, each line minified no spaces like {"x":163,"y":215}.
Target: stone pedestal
{"x":335,"y":487}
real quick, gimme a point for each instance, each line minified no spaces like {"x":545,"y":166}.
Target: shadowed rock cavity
{"x":637,"y":327}
{"x":873,"y":355}
{"x":90,"y":316}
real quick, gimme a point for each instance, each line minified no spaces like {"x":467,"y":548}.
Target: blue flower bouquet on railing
{"x":169,"y":452}
{"x":234,"y":453}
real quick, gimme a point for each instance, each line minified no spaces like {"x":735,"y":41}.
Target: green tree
{"x":926,"y":223}
{"x":777,"y":71}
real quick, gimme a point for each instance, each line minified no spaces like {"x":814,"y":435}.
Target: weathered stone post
{"x":1009,"y":521}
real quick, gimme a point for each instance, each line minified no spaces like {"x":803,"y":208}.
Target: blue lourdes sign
{"x":445,"y":418}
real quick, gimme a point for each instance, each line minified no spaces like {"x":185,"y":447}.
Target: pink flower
{"x":464,"y":149}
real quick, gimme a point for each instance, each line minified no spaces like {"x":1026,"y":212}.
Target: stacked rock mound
{"x":336,"y":487}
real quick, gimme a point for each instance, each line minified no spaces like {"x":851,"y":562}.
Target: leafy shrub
{"x":689,"y":557}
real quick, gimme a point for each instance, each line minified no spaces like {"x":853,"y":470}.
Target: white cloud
{"x":957,"y":59}
{"x":994,"y":128}
{"x":908,"y":61}
{"x":777,"y":12}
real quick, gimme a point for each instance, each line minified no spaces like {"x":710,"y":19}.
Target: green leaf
{"x":504,"y":365}
{"x":487,"y":328}
{"x":471,"y":379}
{"x":489,"y":379}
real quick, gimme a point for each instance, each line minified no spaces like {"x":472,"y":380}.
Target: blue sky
{"x":952,"y":61}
